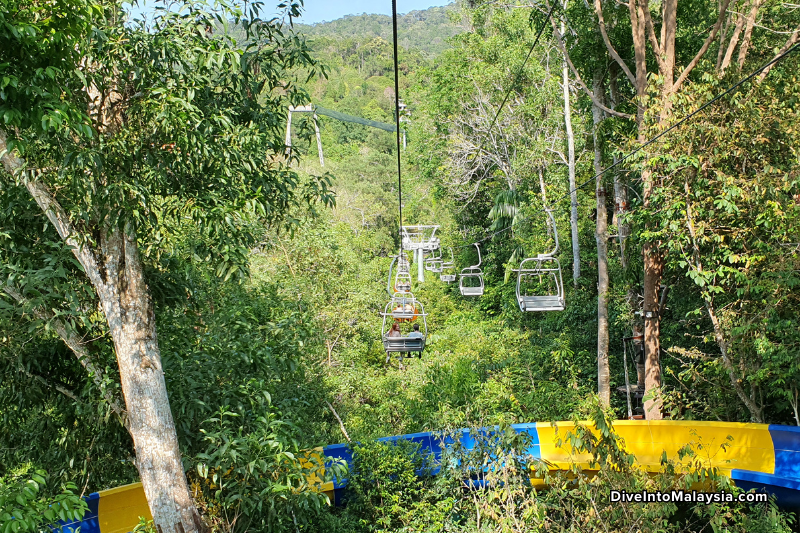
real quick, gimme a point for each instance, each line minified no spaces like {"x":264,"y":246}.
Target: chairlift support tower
{"x":420,"y":239}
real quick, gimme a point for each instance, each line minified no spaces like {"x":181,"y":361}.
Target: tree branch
{"x":589,"y":93}
{"x":341,"y":424}
{"x":598,"y":8}
{"x":56,"y":214}
{"x":74,"y":343}
{"x":704,"y":48}
{"x":651,"y":35}
{"x":789,"y":43}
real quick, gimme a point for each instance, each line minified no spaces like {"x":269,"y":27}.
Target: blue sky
{"x":322,"y":10}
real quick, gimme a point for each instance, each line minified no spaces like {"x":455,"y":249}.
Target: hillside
{"x":426,"y":30}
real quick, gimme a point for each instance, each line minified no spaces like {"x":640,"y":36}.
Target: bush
{"x":23,"y":508}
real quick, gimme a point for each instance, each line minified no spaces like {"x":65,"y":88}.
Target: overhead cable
{"x":397,"y":121}
{"x":728,"y":91}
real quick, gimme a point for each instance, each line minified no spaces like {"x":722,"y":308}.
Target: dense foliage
{"x":267,"y":311}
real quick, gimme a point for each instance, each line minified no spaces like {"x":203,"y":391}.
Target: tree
{"x":727,"y":215}
{"x":573,"y":192}
{"x":120,"y":133}
{"x":659,"y":57}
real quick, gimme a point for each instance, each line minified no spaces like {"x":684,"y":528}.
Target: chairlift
{"x":470,"y":281}
{"x":403,"y":307}
{"x":540,"y":286}
{"x":402,"y":280}
{"x":420,"y":237}
{"x":434,"y":262}
{"x":448,"y":265}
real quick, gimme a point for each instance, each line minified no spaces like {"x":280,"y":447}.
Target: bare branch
{"x":341,"y":424}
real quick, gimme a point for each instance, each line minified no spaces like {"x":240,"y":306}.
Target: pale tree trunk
{"x":116,"y":273}
{"x":128,"y":309}
{"x":748,"y":32}
{"x":734,"y":40}
{"x":544,"y":199}
{"x":601,"y":236}
{"x":573,"y":193}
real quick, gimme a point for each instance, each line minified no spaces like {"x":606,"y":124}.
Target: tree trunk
{"x":573,"y":193}
{"x":620,"y":184}
{"x":601,"y":236}
{"x":748,"y":32}
{"x":653,"y":268}
{"x":620,"y":211}
{"x":116,"y":273}
{"x":126,"y":303}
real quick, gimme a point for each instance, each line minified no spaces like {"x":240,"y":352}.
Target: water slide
{"x":760,"y":456}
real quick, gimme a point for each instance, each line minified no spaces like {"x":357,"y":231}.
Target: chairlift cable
{"x":728,"y":91}
{"x":513,"y":84}
{"x":521,"y":68}
{"x":397,"y":121}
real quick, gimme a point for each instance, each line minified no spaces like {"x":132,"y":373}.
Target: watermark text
{"x":680,"y":496}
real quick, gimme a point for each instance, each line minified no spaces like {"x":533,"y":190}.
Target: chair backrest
{"x":549,"y":295}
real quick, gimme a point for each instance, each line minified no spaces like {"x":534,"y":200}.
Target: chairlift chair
{"x":403,"y":307}
{"x":402,"y":280}
{"x":420,"y":237}
{"x":403,"y":263}
{"x":434,"y":262}
{"x":470,"y":281}
{"x":448,"y":265}
{"x":540,"y":286}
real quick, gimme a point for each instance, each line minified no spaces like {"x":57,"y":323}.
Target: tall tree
{"x":573,"y":192}
{"x":653,"y":44}
{"x":601,"y":237}
{"x":119,"y":132}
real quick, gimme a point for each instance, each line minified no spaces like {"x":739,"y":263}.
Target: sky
{"x":327,"y":10}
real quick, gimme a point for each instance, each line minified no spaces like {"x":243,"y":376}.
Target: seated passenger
{"x":416,"y":334}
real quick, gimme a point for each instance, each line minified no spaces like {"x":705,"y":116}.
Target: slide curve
{"x":760,"y":456}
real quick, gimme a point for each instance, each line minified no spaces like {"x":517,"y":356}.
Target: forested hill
{"x":426,"y":30}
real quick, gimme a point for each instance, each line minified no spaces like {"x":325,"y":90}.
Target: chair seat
{"x":541,"y":303}
{"x":472,"y":291}
{"x":403,"y":344}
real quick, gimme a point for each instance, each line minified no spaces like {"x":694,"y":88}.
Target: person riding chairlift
{"x":415,"y":334}
{"x":394,"y":332}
